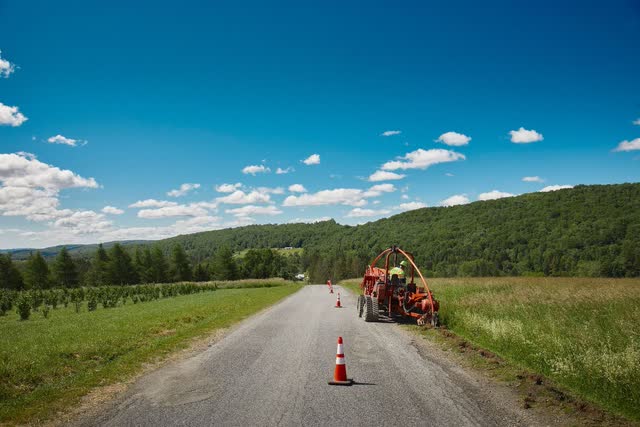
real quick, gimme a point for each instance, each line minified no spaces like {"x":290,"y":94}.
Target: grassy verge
{"x":584,"y":334}
{"x":46,"y":365}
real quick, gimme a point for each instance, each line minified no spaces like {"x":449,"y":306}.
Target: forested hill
{"x":588,"y":231}
{"x":584,"y":231}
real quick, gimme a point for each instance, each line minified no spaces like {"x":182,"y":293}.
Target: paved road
{"x":273,"y":370}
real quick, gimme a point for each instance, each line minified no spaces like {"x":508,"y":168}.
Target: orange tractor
{"x":385,"y":291}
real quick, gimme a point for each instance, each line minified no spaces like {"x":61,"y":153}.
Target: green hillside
{"x":584,"y":231}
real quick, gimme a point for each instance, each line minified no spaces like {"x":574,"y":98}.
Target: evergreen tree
{"x":37,"y":272}
{"x":98,"y":274}
{"x":10,"y":277}
{"x":120,"y":268}
{"x":180,"y":266}
{"x":142,"y":263}
{"x":224,"y":267}
{"x":64,"y":269}
{"x":200,"y":273}
{"x":159,"y":268}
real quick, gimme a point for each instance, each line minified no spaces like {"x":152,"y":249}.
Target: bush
{"x":23,"y":306}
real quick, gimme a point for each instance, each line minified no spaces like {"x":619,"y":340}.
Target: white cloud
{"x":24,"y":170}
{"x":152,"y":203}
{"x":83,"y":222}
{"x":454,"y":139}
{"x":338,"y":196}
{"x":239,"y":197}
{"x":309,"y":220}
{"x":183,"y":226}
{"x":269,"y":190}
{"x":409,"y":206}
{"x":313,"y":159}
{"x":281,"y":171}
{"x":636,"y":122}
{"x":493,"y":195}
{"x":628,"y":145}
{"x":183,"y":190}
{"x":228,"y":188}
{"x":10,"y":116}
{"x":112,"y":210}
{"x":532,"y":179}
{"x":377,"y":190}
{"x":457,"y":199}
{"x":173,"y":211}
{"x":6,"y":67}
{"x":254,"y":210}
{"x":254,"y":169}
{"x":297,"y":188}
{"x":422,"y":159}
{"x":32,"y":203}
{"x":384,"y":176}
{"x":524,"y":136}
{"x":362,"y":213}
{"x":555,"y":188}
{"x":404,"y":197}
{"x":59,"y":139}
{"x":391,"y":133}
{"x":449,"y":174}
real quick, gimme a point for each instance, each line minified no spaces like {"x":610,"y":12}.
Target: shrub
{"x":23,"y":306}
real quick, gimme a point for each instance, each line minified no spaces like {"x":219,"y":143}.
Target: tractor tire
{"x":360,"y":305}
{"x":376,"y":309}
{"x":371,"y":309}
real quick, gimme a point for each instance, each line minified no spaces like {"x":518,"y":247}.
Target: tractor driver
{"x":400,"y":272}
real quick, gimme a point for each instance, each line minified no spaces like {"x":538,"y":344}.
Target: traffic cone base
{"x":340,"y":373}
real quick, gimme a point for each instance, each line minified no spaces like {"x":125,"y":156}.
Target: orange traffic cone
{"x":330,"y":289}
{"x":338,"y":305}
{"x":340,"y":373}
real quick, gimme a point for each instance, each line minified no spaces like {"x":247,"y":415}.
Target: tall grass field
{"x":582,"y":333}
{"x":47,"y":364}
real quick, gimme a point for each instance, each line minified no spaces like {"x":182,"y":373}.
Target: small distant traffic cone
{"x":330,"y":289}
{"x":340,"y":373}
{"x":338,"y":305}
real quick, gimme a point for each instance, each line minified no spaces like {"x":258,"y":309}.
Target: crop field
{"x":48,"y":363}
{"x":583,"y":333}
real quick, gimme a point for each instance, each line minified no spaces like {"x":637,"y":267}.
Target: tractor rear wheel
{"x":371,"y":306}
{"x":360,"y":305}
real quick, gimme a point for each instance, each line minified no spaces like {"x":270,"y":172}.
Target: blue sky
{"x":139,"y":100}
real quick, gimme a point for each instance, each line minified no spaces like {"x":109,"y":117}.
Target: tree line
{"x":585,"y":231}
{"x":140,"y":266}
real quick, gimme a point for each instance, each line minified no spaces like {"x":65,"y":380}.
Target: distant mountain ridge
{"x":74,"y":249}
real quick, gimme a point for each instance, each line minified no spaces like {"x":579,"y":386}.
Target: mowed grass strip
{"x":46,"y":365}
{"x":583,"y":333}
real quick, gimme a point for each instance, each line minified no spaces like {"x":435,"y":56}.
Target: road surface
{"x":273,"y":370}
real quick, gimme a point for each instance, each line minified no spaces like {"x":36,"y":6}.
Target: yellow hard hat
{"x":404,"y":263}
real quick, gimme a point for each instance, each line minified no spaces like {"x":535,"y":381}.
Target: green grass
{"x":46,"y":365}
{"x":582,"y":333}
